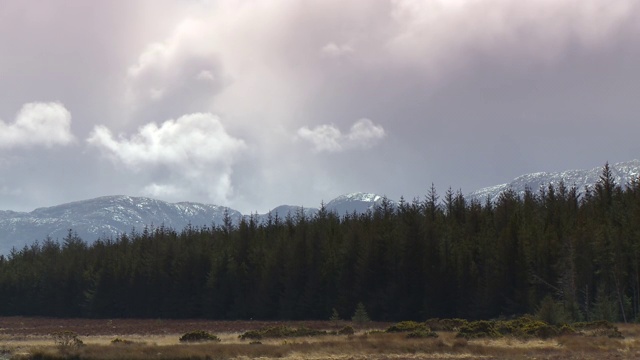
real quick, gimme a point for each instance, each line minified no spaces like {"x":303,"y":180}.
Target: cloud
{"x":334,"y":51}
{"x":440,"y":35}
{"x":205,"y":75}
{"x":195,"y":153}
{"x":363,"y":134}
{"x":323,"y":137}
{"x":38,"y":124}
{"x":445,"y":73}
{"x":173,"y":67}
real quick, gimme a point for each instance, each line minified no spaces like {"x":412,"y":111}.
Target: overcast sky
{"x":253,"y":104}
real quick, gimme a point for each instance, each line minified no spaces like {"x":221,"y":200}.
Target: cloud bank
{"x":37,"y":125}
{"x":195,"y":153}
{"x":492,"y":88}
{"x":363,"y":134}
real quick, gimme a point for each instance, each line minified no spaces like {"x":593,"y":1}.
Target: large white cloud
{"x":195,"y":153}
{"x":38,"y":124}
{"x":363,"y":134}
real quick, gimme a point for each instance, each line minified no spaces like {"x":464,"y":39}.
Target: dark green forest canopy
{"x":552,"y":251}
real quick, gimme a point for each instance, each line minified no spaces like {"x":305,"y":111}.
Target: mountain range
{"x":109,"y":216}
{"x":623,"y":173}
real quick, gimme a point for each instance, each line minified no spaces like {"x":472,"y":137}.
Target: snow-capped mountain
{"x":110,"y":216}
{"x":282,"y":212}
{"x":104,"y":217}
{"x":622,"y":172}
{"x":358,"y":202}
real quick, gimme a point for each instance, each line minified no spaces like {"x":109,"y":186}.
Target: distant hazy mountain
{"x":110,"y":216}
{"x":282,"y":212}
{"x":623,"y":173}
{"x":103,"y":217}
{"x":358,"y":202}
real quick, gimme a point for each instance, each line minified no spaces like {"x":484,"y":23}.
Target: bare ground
{"x":22,"y":337}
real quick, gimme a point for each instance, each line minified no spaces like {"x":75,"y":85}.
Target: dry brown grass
{"x":157,"y":344}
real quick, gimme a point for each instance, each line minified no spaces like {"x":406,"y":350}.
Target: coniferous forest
{"x":571,"y":252}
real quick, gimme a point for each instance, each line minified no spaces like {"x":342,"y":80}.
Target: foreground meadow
{"x":35,"y":338}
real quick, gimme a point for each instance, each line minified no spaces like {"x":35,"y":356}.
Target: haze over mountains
{"x":109,"y":216}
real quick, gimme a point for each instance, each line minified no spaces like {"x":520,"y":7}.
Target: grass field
{"x":31,"y":338}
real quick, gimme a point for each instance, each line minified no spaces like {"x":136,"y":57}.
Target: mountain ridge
{"x":623,"y":173}
{"x":113,"y":215}
{"x":110,"y":216}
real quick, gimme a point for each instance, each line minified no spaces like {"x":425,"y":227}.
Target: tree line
{"x":574,"y":252}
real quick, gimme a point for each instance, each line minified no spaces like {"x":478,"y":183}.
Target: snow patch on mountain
{"x":112,"y":216}
{"x":359,"y":202}
{"x":104,"y":217}
{"x":623,"y":173}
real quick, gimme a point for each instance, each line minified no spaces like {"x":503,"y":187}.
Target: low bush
{"x":198,"y":336}
{"x":421,"y":334}
{"x":527,"y":327}
{"x":445,"y":324}
{"x":67,"y":339}
{"x":567,"y":330}
{"x":280,"y":332}
{"x":251,"y":334}
{"x":347,"y":330}
{"x":407,"y":326}
{"x":479,"y":329}
{"x":118,"y":341}
{"x":599,"y":328}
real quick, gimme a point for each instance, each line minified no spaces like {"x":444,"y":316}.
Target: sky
{"x":256,"y":103}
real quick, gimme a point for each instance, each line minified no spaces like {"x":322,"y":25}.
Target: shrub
{"x":280,"y":332}
{"x":567,"y":330}
{"x":530,"y":327}
{"x":347,"y":330}
{"x":118,"y":341}
{"x":67,"y":339}
{"x":478,"y":329}
{"x":407,"y":326}
{"x":198,"y":336}
{"x":542,"y":331}
{"x":527,"y":327}
{"x":251,"y":334}
{"x":599,"y":328}
{"x":303,"y":331}
{"x":422,"y":333}
{"x":445,"y":324}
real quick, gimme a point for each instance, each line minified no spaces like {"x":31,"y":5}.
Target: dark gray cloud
{"x":255,"y":104}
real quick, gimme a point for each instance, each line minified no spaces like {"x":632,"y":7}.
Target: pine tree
{"x":360,"y":316}
{"x":335,"y":316}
